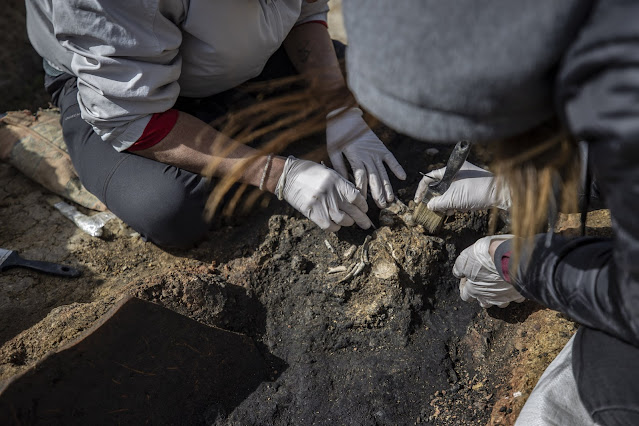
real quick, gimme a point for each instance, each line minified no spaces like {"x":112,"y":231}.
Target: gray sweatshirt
{"x":465,"y":69}
{"x":134,"y":58}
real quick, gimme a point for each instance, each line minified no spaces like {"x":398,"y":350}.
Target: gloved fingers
{"x":500,"y":195}
{"x":513,"y":295}
{"x":357,"y":199}
{"x":463,"y":291}
{"x":376,"y":189}
{"x":337,"y":159}
{"x":381,"y":188}
{"x":358,"y":216}
{"x":422,"y":187}
{"x":322,"y":220}
{"x":485,"y":304}
{"x":444,"y":202}
{"x":470,"y":166}
{"x":459,"y":268}
{"x":488,"y":294}
{"x":477,"y":291}
{"x":436,"y":174}
{"x":356,"y":208}
{"x":387,"y":187}
{"x":361,"y":181}
{"x":467,"y":170}
{"x":341,"y":218}
{"x":335,"y":213}
{"x":394,"y":165}
{"x":333,"y":227}
{"x":359,"y":172}
{"x":501,"y":304}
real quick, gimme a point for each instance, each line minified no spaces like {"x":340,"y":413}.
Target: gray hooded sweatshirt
{"x":464,"y":69}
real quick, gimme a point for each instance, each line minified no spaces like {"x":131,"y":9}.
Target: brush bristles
{"x":430,"y":220}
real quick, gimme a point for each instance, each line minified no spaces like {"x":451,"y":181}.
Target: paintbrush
{"x":430,"y":220}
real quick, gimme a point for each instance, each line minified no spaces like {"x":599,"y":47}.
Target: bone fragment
{"x":337,"y":269}
{"x":349,"y":252}
{"x":329,"y":246}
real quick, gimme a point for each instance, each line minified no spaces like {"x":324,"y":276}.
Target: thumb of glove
{"x":432,"y":176}
{"x":463,"y":292}
{"x":446,"y":203}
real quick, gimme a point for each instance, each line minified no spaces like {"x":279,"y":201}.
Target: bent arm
{"x":593,"y":280}
{"x":579,"y":278}
{"x":194,"y":145}
{"x":310,"y":49}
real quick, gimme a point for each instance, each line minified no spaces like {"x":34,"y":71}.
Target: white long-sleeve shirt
{"x":134,"y":58}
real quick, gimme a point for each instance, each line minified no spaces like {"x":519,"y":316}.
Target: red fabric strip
{"x":316,"y":22}
{"x":156,"y":129}
{"x":505,"y":259}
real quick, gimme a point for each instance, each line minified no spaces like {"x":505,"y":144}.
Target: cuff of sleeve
{"x":503,"y":259}
{"x":320,"y":18}
{"x":318,"y":21}
{"x":130,"y":135}
{"x":158,"y":127}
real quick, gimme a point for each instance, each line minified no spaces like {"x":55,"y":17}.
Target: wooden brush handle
{"x":455,"y":161}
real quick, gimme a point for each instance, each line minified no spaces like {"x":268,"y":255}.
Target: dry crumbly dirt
{"x":393,"y":345}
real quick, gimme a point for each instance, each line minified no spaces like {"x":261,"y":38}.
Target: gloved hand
{"x":473,"y":189}
{"x":347,"y":133}
{"x":479,"y":278}
{"x":322,"y":195}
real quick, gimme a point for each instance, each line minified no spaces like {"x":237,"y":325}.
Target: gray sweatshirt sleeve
{"x":313,"y":12}
{"x":126,"y":60}
{"x":597,"y":281}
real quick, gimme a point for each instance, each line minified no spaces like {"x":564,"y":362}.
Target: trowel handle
{"x":455,"y":161}
{"x":49,"y":268}
{"x":13,"y":260}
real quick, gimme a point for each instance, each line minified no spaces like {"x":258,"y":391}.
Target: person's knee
{"x":176,"y":225}
{"x":607,"y":378}
{"x":177,"y":221}
{"x":168,"y":213}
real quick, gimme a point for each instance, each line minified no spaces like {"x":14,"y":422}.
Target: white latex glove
{"x":347,"y":133}
{"x":479,"y":278}
{"x":473,"y":189}
{"x":322,"y":195}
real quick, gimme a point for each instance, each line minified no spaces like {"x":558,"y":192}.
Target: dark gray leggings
{"x":161,"y":202}
{"x":606,"y":370}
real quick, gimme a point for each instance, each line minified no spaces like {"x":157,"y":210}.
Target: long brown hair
{"x":541,"y":168}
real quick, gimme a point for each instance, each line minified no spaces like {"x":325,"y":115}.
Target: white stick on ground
{"x":92,"y":225}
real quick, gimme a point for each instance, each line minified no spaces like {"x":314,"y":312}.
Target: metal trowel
{"x":11,"y":259}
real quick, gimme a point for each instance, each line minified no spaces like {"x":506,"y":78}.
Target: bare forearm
{"x":311,"y":51}
{"x":194,"y":145}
